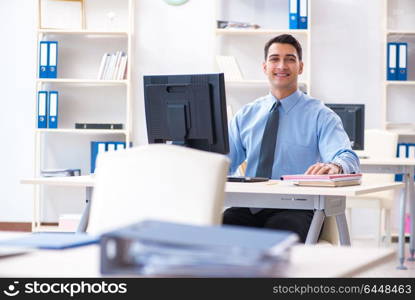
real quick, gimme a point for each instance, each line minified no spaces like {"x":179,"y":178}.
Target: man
{"x":286,"y":132}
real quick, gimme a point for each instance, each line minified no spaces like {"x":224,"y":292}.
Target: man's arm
{"x":237,"y":152}
{"x":334,"y":147}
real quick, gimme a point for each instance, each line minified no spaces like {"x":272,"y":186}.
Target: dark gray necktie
{"x":267,"y":151}
{"x":269,"y":140}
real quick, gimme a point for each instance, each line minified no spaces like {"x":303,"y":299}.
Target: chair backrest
{"x":380,"y":143}
{"x":163,"y":182}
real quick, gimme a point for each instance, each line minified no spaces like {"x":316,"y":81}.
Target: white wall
{"x":346,"y":67}
{"x":347,"y":45}
{"x":170,"y":40}
{"x":18,"y":107}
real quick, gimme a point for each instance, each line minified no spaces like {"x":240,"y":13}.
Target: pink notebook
{"x":325,"y":177}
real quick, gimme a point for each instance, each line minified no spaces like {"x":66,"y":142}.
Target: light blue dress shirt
{"x":308,"y":132}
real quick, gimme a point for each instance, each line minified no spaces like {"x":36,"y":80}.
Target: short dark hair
{"x":284,"y":39}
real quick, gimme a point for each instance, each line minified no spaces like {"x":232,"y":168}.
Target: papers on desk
{"x":43,"y":240}
{"x":324,"y":180}
{"x":163,"y":248}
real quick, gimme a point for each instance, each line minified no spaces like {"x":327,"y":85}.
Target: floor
{"x":389,"y":269}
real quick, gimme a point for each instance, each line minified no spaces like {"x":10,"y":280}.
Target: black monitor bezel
{"x":359,"y":143}
{"x":219,"y":114}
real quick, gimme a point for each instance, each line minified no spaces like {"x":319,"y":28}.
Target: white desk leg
{"x":344,"y":235}
{"x":315,"y":227}
{"x":36,"y":209}
{"x":412,"y":214}
{"x":402,"y":205}
{"x":83,"y":223}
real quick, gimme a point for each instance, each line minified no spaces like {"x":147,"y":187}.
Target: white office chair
{"x":379,"y":144}
{"x":163,"y":182}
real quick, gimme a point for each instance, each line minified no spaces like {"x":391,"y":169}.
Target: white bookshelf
{"x":75,"y":83}
{"x":398,"y":26}
{"x":246,"y":45}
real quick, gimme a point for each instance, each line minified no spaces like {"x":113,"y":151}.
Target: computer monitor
{"x":353,"y":119}
{"x":187,"y":110}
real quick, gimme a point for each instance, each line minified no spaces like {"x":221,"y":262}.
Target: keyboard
{"x":246,"y":179}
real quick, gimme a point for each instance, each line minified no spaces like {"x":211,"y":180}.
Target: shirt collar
{"x":287,"y":103}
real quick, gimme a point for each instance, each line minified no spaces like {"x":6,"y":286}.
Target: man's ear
{"x":264,"y":67}
{"x":301,"y":67}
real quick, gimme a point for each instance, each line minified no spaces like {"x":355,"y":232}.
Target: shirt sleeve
{"x":237,"y":153}
{"x":334,"y":144}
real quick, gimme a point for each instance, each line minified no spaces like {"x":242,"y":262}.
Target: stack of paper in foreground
{"x":172,"y":249}
{"x":324,"y":180}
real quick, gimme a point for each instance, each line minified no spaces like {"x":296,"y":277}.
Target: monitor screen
{"x":353,"y":119}
{"x":187,"y":110}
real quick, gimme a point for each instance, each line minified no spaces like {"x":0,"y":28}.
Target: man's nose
{"x":281,"y":64}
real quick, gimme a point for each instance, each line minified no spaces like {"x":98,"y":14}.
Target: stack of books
{"x":164,"y":248}
{"x":324,"y":180}
{"x":113,"y":66}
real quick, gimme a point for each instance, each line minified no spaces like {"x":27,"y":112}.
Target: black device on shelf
{"x":353,"y":119}
{"x":98,"y":126}
{"x":187,"y":110}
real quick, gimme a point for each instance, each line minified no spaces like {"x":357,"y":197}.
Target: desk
{"x":405,"y":166}
{"x":325,"y":201}
{"x":84,"y":262}
{"x":86,"y":181}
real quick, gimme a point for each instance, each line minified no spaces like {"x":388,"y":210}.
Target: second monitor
{"x":353,"y":119}
{"x":187,"y":110}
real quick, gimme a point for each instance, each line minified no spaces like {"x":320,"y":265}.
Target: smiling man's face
{"x":282,"y":67}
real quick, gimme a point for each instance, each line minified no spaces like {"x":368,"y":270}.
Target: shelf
{"x":259,"y":31}
{"x":403,"y":129}
{"x":82,"y":131}
{"x":397,"y":125}
{"x":399,"y":32}
{"x":83,"y":81}
{"x":403,"y":132}
{"x":400,"y":82}
{"x":75,"y":181}
{"x":84,"y":32}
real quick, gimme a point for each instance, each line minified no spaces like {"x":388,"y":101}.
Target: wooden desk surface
{"x":269,"y":187}
{"x":306,"y":261}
